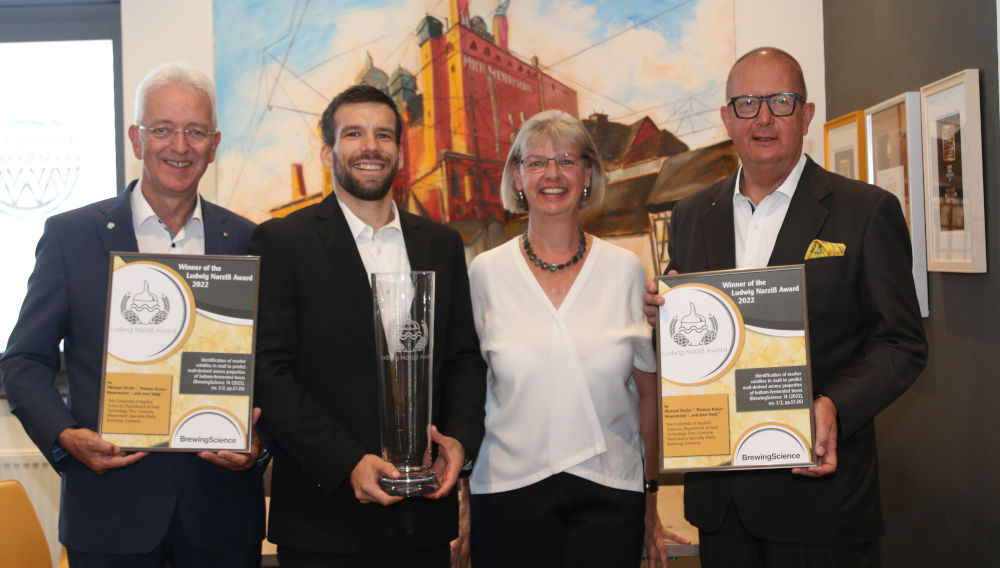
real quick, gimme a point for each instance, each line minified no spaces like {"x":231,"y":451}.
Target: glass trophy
{"x":404,"y":343}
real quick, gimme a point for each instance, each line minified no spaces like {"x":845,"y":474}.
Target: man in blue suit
{"x":120,"y":508}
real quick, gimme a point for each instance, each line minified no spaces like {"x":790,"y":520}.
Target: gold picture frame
{"x":843,"y":144}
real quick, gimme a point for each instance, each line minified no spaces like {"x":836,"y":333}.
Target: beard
{"x":370,"y":189}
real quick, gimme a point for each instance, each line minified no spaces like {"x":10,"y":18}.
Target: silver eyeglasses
{"x":536,"y":164}
{"x":194,"y":136}
{"x":780,"y":104}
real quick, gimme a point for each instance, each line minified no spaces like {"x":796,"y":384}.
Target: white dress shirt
{"x":560,"y":392}
{"x":756,"y":228}
{"x":152,"y":235}
{"x":383,"y":250}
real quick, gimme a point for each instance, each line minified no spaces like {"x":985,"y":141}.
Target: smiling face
{"x":364,"y":156}
{"x":767,"y":142}
{"x":172,"y":167}
{"x":556,"y":190}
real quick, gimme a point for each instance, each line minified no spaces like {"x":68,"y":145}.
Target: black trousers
{"x":733,"y":547}
{"x":176,"y":551}
{"x":563,"y":520}
{"x":392,"y":550}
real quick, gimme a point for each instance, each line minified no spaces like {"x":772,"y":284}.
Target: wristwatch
{"x":652,"y":486}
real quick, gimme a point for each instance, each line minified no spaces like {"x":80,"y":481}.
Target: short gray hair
{"x":559,"y":127}
{"x":174,"y":73}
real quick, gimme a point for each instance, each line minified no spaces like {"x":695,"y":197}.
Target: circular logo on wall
{"x":39,"y":167}
{"x":155,"y":312}
{"x":704,"y":334}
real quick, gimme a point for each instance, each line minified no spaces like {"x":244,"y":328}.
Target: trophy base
{"x":412,"y":486}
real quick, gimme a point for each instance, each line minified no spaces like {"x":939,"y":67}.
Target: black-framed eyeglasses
{"x":780,"y":104}
{"x":194,"y":136}
{"x":536,"y":164}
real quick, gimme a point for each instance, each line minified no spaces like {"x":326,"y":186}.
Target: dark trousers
{"x":563,"y":520}
{"x":733,"y":547}
{"x":392,"y":550}
{"x":176,"y":551}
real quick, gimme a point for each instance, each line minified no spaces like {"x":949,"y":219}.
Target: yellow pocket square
{"x":822,"y":249}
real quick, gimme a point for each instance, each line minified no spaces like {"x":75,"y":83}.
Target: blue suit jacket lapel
{"x":217,"y":237}
{"x":114,"y":224}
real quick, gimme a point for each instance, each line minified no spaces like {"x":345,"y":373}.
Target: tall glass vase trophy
{"x":404,"y":342}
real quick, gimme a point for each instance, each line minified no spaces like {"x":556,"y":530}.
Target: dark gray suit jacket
{"x":866,"y":345}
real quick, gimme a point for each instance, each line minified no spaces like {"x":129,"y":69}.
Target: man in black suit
{"x":867,"y":341}
{"x":118,"y":508}
{"x":317,"y":377}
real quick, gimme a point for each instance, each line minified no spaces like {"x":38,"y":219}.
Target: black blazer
{"x":866,"y":346}
{"x":316,"y":379}
{"x":125,"y":511}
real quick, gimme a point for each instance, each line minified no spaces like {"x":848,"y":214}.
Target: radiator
{"x":41,"y":483}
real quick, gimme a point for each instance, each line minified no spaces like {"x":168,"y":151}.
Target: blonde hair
{"x":562,"y":128}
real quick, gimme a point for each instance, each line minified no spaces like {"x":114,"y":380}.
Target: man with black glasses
{"x":867,"y":341}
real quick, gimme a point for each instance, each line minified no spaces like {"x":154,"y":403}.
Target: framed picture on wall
{"x":953,"y":174}
{"x":844,"y":142}
{"x":895,"y":163}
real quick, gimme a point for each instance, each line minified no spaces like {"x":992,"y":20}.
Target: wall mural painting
{"x":647,"y":79}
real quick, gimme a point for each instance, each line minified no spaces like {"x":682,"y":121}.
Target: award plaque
{"x":404,"y":342}
{"x":733,"y":358}
{"x":179,"y":352}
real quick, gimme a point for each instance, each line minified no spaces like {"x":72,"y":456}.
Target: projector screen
{"x":57,"y":148}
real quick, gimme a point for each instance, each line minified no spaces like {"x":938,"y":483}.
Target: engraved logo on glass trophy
{"x":404,"y":342}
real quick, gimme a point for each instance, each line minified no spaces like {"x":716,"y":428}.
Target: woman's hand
{"x":656,"y":535}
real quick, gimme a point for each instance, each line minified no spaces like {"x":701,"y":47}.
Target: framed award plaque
{"x":733,"y":361}
{"x":179,"y":352}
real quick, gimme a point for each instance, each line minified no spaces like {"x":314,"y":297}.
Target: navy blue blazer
{"x":125,"y":511}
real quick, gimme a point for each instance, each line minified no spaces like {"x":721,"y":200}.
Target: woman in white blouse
{"x":572,"y":391}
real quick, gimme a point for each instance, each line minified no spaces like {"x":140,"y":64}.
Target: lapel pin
{"x":111,"y":225}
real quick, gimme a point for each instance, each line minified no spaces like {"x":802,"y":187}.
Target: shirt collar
{"x":361,"y":229}
{"x":142,"y":211}
{"x":787,"y":187}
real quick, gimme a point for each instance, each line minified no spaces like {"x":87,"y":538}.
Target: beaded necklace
{"x":549,"y":265}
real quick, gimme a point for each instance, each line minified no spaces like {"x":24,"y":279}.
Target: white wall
{"x":799,"y":31}
{"x":154,"y":32}
{"x":12,"y":435}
